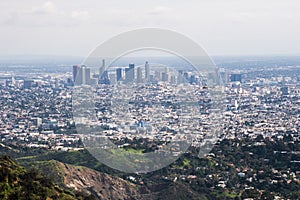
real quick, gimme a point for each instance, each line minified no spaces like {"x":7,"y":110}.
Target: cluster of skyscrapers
{"x":82,"y":75}
{"x":142,"y":74}
{"x":137,"y":74}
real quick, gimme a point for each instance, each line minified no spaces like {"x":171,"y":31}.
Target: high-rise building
{"x":103,"y":74}
{"x":236,"y":78}
{"x":69,"y":82}
{"x":223,"y":76}
{"x":83,"y":76}
{"x":139,"y":75}
{"x":186,"y":76}
{"x":102,"y":69}
{"x":193,"y":79}
{"x":119,"y":74}
{"x":129,"y":73}
{"x":165,"y":75}
{"x":104,"y":79}
{"x":80,"y":79}
{"x":147,"y":71}
{"x":75,"y":72}
{"x":180,"y":78}
{"x":87,"y":75}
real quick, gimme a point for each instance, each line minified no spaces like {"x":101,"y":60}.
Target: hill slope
{"x":18,"y":183}
{"x":89,"y":181}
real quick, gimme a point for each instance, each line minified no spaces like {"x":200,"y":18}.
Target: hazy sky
{"x":222,"y":27}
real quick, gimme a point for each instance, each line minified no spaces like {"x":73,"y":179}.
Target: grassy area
{"x":26,"y":158}
{"x":186,"y":163}
{"x":135,"y":151}
{"x":226,"y":195}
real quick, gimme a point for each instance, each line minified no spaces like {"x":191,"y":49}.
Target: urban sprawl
{"x":36,"y":110}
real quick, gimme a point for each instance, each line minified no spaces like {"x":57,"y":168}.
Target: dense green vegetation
{"x":236,"y":169}
{"x":18,"y":183}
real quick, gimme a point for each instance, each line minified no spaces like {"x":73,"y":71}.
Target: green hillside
{"x":18,"y":183}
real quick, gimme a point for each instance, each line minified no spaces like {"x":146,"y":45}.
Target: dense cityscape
{"x":38,"y":112}
{"x":261,"y":106}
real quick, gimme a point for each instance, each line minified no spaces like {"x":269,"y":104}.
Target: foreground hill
{"x":18,"y":183}
{"x":105,"y":186}
{"x":89,"y":181}
{"x":238,"y":168}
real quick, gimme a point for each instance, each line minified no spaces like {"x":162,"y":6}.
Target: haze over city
{"x":74,"y":27}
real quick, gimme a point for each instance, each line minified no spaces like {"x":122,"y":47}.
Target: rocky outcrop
{"x":86,"y":180}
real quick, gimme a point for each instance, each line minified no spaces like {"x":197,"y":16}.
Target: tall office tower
{"x":180,"y":77}
{"x":139,"y":75}
{"x":193,"y":79}
{"x":129,"y":73}
{"x":119,"y":74}
{"x":103,"y":74}
{"x":102,"y":68}
{"x":69,"y":82}
{"x":165,"y":75}
{"x":147,"y":71}
{"x":81,"y":77}
{"x":236,"y":78}
{"x":87,"y":75}
{"x":223,"y":76}
{"x":75,"y":72}
{"x":186,"y":76}
{"x":104,"y":79}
